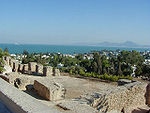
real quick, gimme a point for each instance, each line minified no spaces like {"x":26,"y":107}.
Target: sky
{"x":74,"y":21}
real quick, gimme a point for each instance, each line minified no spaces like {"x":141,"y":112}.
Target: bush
{"x":1,"y":69}
{"x":70,"y":71}
{"x":81,"y":72}
{"x":105,"y":76}
{"x":112,"y":78}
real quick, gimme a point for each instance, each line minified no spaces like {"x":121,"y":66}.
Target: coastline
{"x":65,"y":49}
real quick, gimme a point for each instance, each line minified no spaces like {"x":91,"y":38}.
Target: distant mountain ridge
{"x":124,"y":44}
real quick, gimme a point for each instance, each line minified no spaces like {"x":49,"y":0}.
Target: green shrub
{"x":81,"y":72}
{"x":1,"y":69}
{"x":105,"y":76}
{"x":70,"y":71}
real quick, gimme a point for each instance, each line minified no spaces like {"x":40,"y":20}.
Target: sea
{"x":64,"y":49}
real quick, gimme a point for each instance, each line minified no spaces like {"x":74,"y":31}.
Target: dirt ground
{"x":75,"y":86}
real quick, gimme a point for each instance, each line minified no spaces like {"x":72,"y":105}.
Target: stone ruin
{"x":10,"y":62}
{"x":39,"y":69}
{"x":31,"y":68}
{"x":124,"y":98}
{"x":21,"y":83}
{"x":25,"y":69}
{"x":20,"y":67}
{"x":56,"y":72}
{"x":15,"y":66}
{"x":6,"y":59}
{"x":47,"y":71}
{"x":50,"y":90}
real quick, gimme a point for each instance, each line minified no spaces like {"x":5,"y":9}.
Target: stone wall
{"x":20,"y":67}
{"x":5,"y":78}
{"x":15,"y":66}
{"x":19,"y":102}
{"x":25,"y":69}
{"x":7,"y":59}
{"x":10,"y":63}
{"x":39,"y":69}
{"x":31,"y":68}
{"x":47,"y":71}
{"x":124,"y":97}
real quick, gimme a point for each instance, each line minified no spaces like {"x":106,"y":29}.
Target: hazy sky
{"x":74,"y":21}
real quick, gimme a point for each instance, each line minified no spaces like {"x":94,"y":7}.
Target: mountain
{"x":124,"y":44}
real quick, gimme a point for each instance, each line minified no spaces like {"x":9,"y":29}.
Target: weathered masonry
{"x":31,"y":68}
{"x":20,"y":102}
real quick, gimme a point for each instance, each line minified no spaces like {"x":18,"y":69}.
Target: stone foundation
{"x":31,"y":68}
{"x":21,"y":83}
{"x":19,"y":102}
{"x":50,"y":91}
{"x":124,"y":97}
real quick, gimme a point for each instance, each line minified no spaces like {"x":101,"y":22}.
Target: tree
{"x":1,"y":69}
{"x":95,"y":67}
{"x":25,"y":52}
{"x":138,"y":71}
{"x":1,"y":61}
{"x":119,"y":69}
{"x":6,"y":50}
{"x":98,"y":64}
{"x":86,"y":64}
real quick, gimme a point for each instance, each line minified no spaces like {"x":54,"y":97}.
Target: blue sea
{"x":65,"y":49}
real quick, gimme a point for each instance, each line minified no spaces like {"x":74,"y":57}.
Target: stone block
{"x":4,"y":77}
{"x":56,"y":72}
{"x":47,"y":71}
{"x":20,"y":102}
{"x":39,"y":69}
{"x":32,"y":67}
{"x":21,"y":83}
{"x":124,"y":81}
{"x":29,"y":87}
{"x":15,"y":66}
{"x":20,"y":67}
{"x":50,"y":90}
{"x":11,"y":62}
{"x":25,"y":69}
{"x":6,"y":58}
